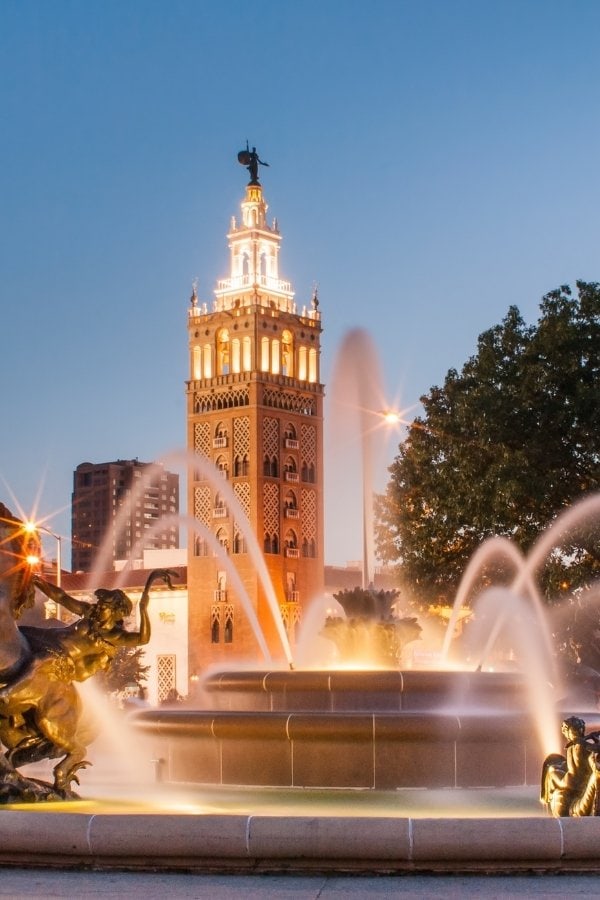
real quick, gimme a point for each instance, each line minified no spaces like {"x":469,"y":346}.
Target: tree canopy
{"x":505,"y":445}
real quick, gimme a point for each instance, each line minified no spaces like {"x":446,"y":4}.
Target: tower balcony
{"x":292,"y":552}
{"x":220,"y":512}
{"x":291,"y":443}
{"x":219,"y":442}
{"x":220,"y":596}
{"x":291,"y":476}
{"x":293,"y":597}
{"x":241,"y":282}
{"x":292,"y":513}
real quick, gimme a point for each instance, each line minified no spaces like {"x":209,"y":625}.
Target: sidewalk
{"x":47,"y":883}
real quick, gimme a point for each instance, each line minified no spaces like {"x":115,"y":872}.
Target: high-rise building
{"x":255,"y":424}
{"x":119,"y":509}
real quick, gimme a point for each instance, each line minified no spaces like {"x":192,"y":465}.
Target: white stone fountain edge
{"x":273,"y":843}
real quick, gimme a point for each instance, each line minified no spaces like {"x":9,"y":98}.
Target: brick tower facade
{"x":255,"y":426}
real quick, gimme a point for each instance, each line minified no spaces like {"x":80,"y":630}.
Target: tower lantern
{"x":255,"y":421}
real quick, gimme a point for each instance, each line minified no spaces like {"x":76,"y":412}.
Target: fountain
{"x":377,"y":733}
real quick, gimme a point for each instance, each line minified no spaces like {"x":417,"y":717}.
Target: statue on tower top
{"x":250,"y":159}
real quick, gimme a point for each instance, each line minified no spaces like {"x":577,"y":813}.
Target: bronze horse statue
{"x":41,"y":714}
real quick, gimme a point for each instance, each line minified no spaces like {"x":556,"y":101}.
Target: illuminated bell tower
{"x":255,"y":419}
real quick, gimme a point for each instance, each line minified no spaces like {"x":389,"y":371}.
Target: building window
{"x":166,"y":673}
{"x":271,"y":543}
{"x":200,"y":546}
{"x":246,"y":354}
{"x":239,"y":543}
{"x":287,"y":353}
{"x":264,"y":354}
{"x":223,"y":352}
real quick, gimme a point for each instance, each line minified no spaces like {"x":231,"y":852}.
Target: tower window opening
{"x":200,"y":546}
{"x":264,"y":354}
{"x":246,"y":354}
{"x":287,"y":353}
{"x":223,"y":352}
{"x":207,"y":361}
{"x":228,"y":630}
{"x":302,"y":364}
{"x":239,"y":543}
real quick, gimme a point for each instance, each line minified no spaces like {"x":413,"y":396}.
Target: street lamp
{"x":33,"y":528}
{"x":389,"y":418}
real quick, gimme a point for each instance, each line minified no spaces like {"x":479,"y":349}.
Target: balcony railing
{"x":293,"y":597}
{"x":220,"y":512}
{"x":292,"y":552}
{"x":292,"y":513}
{"x":291,"y":443}
{"x":220,"y":596}
{"x":291,"y":476}
{"x":220,"y":442}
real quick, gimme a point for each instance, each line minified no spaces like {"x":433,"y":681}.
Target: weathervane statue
{"x":250,"y":159}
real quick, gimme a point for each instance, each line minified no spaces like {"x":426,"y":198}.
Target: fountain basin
{"x":376,"y":730}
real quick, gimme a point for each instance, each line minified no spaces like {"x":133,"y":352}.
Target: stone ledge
{"x":274,"y":843}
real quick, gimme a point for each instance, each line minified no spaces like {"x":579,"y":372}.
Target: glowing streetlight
{"x":34,"y":528}
{"x":389,"y":418}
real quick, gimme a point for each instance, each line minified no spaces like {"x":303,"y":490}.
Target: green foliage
{"x":501,"y":449}
{"x":126,"y":668}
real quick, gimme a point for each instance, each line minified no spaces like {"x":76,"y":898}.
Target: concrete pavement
{"x":47,"y":883}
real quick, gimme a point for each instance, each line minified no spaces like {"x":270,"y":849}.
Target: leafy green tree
{"x":126,"y":668}
{"x":501,"y":449}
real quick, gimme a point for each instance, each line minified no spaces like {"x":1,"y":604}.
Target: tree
{"x":126,"y":668}
{"x":501,"y":449}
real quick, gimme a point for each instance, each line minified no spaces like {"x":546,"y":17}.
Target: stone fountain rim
{"x":263,"y":843}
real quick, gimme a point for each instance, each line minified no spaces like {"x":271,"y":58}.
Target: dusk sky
{"x":431,"y":163}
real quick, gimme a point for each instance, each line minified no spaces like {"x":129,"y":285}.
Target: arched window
{"x":275,"y":362}
{"x":239,"y":543}
{"x":215,"y":629}
{"x":223,"y":352}
{"x":207,"y":361}
{"x":312,"y":365}
{"x":228,"y":629}
{"x":302,"y":367}
{"x":287,"y":353}
{"x":197,"y":363}
{"x":223,"y":538}
{"x":289,"y":432}
{"x":222,"y":466}
{"x":291,"y":541}
{"x":305,"y":547}
{"x":274,"y":467}
{"x":290,"y":500}
{"x":267,"y":543}
{"x":275,"y":544}
{"x":264,"y":354}
{"x":290,"y":465}
{"x":236,"y":365}
{"x":266,"y":465}
{"x":246,"y":354}
{"x":200,"y":546}
{"x":304,"y":472}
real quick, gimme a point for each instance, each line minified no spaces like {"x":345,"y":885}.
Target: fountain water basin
{"x":370,"y":729}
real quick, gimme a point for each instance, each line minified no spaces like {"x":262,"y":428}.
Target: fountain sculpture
{"x":370,"y":632}
{"x":41,"y":715}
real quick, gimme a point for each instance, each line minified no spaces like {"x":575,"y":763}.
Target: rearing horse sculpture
{"x":40,"y":708}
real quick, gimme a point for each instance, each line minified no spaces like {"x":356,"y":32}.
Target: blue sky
{"x":431,"y":163}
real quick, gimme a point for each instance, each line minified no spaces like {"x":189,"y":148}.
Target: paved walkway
{"x":21,"y":883}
